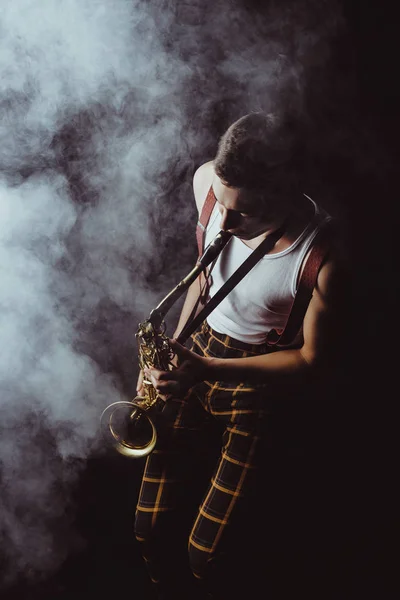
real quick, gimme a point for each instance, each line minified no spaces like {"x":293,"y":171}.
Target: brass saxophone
{"x":130,"y":425}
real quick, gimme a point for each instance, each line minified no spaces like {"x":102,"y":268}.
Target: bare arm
{"x":321,"y":328}
{"x":190,"y":301}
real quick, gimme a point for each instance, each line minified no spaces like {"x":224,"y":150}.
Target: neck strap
{"x":266,"y":245}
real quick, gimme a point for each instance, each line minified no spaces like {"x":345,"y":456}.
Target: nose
{"x":229,"y":218}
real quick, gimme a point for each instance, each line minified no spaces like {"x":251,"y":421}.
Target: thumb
{"x":179,"y":350}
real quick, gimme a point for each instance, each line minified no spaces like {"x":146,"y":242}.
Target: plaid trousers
{"x":221,"y":425}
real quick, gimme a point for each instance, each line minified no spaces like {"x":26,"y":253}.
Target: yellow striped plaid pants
{"x":211,"y":447}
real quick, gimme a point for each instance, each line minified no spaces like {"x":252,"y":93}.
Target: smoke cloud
{"x":107,"y":108}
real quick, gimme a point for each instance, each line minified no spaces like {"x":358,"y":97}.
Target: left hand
{"x":191,"y":369}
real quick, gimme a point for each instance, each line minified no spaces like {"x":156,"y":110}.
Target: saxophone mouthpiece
{"x":214,"y":248}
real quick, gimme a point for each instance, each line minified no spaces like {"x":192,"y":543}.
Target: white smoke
{"x":50,"y":394}
{"x":100,"y":101}
{"x":57,"y":60}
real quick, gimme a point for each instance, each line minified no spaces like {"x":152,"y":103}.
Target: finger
{"x":154,"y":378}
{"x":139,"y":385}
{"x":164,"y":397}
{"x":157,"y":376}
{"x":179,"y":350}
{"x":175,"y":362}
{"x":152,"y":375}
{"x":168,"y":389}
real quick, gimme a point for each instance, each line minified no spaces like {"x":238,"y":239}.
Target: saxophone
{"x":130,"y":425}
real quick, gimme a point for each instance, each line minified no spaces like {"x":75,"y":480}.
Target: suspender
{"x":320,"y":248}
{"x":305,"y":289}
{"x":201,"y":228}
{"x":202,"y":223}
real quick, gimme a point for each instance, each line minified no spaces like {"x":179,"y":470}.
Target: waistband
{"x":223,"y":345}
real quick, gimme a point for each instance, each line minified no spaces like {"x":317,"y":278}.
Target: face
{"x":244,"y":214}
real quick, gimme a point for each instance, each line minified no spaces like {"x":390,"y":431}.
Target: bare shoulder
{"x":333,"y":281}
{"x":334,"y":276}
{"x":326,"y":320}
{"x":202,"y":181}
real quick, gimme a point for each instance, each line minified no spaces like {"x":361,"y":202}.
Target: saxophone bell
{"x":129,"y":428}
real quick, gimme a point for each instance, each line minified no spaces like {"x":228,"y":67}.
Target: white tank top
{"x":262,"y":300}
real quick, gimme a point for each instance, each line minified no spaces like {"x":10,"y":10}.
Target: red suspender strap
{"x":202,"y":223}
{"x":305,"y":289}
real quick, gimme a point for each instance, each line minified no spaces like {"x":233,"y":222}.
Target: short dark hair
{"x":260,"y":150}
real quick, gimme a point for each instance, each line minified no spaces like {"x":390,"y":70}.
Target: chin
{"x":245,"y":235}
{"x":240,"y":235}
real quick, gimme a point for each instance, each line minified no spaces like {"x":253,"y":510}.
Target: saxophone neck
{"x":157,"y":314}
{"x":210,"y":254}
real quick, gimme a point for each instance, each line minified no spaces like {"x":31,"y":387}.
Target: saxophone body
{"x":131,"y":425}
